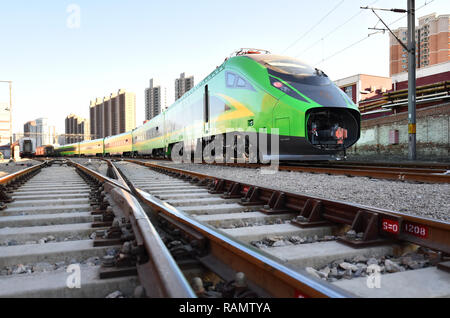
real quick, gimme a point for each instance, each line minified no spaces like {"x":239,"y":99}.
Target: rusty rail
{"x":160,"y":276}
{"x":378,"y":225}
{"x":260,"y":268}
{"x":22,"y":173}
{"x":391,"y":173}
{"x":434,"y":175}
{"x":118,"y":183}
{"x":420,"y":164}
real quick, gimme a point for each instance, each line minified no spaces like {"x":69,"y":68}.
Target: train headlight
{"x":285,"y":89}
{"x":277,"y":84}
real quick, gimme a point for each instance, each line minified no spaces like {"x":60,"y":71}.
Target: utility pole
{"x":411,"y":49}
{"x":411,"y":80}
{"x":10,"y":110}
{"x":10,"y":116}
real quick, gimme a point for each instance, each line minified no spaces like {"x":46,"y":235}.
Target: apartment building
{"x":38,"y":130}
{"x":155,"y":99}
{"x":182,"y":85}
{"x":112,"y":115}
{"x":76,"y":129}
{"x":432,"y":44}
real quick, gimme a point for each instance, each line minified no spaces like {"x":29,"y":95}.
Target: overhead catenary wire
{"x":334,"y":30}
{"x":314,"y":26}
{"x":366,"y":37}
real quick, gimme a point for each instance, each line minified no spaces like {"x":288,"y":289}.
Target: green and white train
{"x":252,"y":92}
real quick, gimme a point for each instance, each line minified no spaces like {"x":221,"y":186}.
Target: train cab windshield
{"x":310,"y":82}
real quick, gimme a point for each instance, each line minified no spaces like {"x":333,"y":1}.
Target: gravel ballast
{"x":97,"y":165}
{"x":421,"y":199}
{"x":7,"y":167}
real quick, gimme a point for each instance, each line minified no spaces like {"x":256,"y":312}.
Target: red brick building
{"x":432,"y":44}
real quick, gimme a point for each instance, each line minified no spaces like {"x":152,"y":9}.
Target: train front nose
{"x":332,"y":128}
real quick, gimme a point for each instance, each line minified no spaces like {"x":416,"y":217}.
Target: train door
{"x":282,"y":121}
{"x":163,"y":129}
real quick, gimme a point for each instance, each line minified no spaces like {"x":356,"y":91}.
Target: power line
{"x":366,"y":37}
{"x":404,"y":16}
{"x":315,"y":25}
{"x":334,"y":30}
{"x":344,"y":49}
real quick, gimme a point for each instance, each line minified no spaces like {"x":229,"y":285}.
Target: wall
{"x":432,"y":134}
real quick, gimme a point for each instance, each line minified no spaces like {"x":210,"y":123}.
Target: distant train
{"x":45,"y":151}
{"x":252,"y":93}
{"x":27,"y":147}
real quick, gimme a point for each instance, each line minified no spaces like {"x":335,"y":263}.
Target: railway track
{"x":56,"y":238}
{"x":401,"y":172}
{"x":296,"y":246}
{"x":226,"y":239}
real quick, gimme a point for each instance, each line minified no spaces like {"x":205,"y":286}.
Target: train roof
{"x":121,"y":134}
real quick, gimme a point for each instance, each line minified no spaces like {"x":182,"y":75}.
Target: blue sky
{"x":57,"y":70}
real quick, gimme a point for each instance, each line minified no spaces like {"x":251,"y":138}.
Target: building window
{"x":349,"y":91}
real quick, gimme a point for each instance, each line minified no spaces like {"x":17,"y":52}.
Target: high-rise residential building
{"x":42,"y":136}
{"x":92,"y":119}
{"x":432,"y":44}
{"x":99,"y":118}
{"x":52,"y":135}
{"x":5,"y":128}
{"x":155,"y":99}
{"x":106,"y":116}
{"x":29,"y":129}
{"x":182,"y":85}
{"x":112,"y":115}
{"x":37,"y":130}
{"x":76,"y":129}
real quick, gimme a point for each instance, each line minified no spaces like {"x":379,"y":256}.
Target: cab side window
{"x":231,"y":79}
{"x":235,"y":81}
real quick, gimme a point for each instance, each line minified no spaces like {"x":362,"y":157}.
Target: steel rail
{"x":390,"y":173}
{"x":160,"y":276}
{"x":443,"y":166}
{"x":378,"y":172}
{"x":374,"y":168}
{"x":117,"y":175}
{"x":431,"y":233}
{"x":13,"y":176}
{"x":276,"y":279}
{"x":100,"y":177}
{"x":267,"y":273}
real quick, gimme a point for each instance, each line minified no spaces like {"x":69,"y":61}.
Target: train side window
{"x":241,"y":82}
{"x":231,"y":79}
{"x":236,"y":81}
